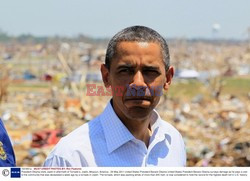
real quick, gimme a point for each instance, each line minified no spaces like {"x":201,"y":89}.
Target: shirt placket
{"x":142,"y":149}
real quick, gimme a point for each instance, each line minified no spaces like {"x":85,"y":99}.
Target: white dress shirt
{"x":106,"y":142}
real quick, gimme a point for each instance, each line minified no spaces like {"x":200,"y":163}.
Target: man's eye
{"x":125,"y":71}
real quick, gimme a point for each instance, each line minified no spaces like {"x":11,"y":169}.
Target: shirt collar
{"x":116,"y":133}
{"x":158,"y":132}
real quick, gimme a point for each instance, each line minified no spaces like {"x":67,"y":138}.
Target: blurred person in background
{"x":7,"y":155}
{"x":129,"y":132}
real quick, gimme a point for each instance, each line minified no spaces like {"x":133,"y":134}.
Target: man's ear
{"x":169,"y":76}
{"x":105,"y":75}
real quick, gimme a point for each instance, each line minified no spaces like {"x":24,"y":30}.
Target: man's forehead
{"x":132,"y":47}
{"x":143,"y":44}
{"x":129,"y":52}
{"x":140,"y":43}
{"x":129,"y":63}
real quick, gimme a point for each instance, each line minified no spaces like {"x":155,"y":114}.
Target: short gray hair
{"x":137,"y":34}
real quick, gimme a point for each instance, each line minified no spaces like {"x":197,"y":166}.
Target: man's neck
{"x":140,"y":129}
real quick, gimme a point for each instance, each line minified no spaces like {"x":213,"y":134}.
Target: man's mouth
{"x":138,"y":98}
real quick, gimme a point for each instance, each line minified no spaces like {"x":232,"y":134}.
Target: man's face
{"x":137,"y":76}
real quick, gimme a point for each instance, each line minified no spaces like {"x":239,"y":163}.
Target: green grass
{"x":28,"y":86}
{"x":185,"y":90}
{"x":238,"y":86}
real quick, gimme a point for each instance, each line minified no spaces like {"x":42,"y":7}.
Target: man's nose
{"x":138,"y":80}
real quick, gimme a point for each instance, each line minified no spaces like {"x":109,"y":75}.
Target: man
{"x":129,"y":132}
{"x":7,"y":156}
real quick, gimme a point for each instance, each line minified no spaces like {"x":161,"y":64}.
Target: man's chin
{"x":138,"y":112}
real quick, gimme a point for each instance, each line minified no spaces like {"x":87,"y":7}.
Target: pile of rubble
{"x":36,"y":122}
{"x":216,"y":132}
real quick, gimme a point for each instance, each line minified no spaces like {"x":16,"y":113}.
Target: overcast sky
{"x":103,"y":18}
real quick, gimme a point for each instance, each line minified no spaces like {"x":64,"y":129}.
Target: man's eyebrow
{"x":150,"y":67}
{"x":125,"y":66}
